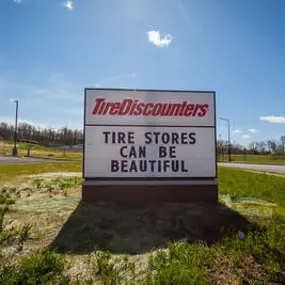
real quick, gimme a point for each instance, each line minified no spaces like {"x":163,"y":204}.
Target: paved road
{"x":256,"y":167}
{"x":22,"y":160}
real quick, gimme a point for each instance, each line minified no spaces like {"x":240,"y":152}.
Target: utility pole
{"x":3,"y":139}
{"x":229,"y":136}
{"x":15,"y":151}
{"x":283,"y":143}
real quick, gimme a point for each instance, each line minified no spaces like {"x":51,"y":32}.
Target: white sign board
{"x":149,"y":134}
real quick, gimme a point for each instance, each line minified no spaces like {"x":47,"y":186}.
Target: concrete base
{"x":147,"y":191}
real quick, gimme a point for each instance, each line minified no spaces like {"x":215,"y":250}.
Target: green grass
{"x":183,"y":263}
{"x":39,"y":268}
{"x":5,"y":196}
{"x":8,"y":172}
{"x":22,"y":146}
{"x":242,"y":183}
{"x":57,"y":184}
{"x":259,"y":259}
{"x":112,"y":271}
{"x":260,"y":159}
{"x":40,"y":151}
{"x":10,"y":237}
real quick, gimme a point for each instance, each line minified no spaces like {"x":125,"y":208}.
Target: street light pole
{"x":15,"y":151}
{"x":283,"y":143}
{"x":229,"y":136}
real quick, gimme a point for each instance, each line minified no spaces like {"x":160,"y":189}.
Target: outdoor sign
{"x":149,"y":134}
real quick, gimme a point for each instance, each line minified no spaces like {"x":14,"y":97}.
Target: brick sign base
{"x":147,"y":191}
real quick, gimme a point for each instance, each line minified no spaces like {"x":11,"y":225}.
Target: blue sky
{"x":51,"y":50}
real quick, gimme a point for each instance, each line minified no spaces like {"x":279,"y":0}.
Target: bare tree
{"x":27,"y":132}
{"x":272,"y":145}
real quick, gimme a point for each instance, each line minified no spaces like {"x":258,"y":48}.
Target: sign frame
{"x":211,"y":93}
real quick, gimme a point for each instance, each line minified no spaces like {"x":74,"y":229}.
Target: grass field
{"x":39,"y":151}
{"x":250,"y":158}
{"x":10,"y":173}
{"x":48,"y":236}
{"x":240,"y":183}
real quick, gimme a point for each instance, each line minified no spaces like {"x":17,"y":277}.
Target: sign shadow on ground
{"x":140,"y":229}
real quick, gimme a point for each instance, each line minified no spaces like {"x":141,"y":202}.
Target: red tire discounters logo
{"x":134,"y":107}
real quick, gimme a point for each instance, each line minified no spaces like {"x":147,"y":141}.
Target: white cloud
{"x":11,"y":120}
{"x":237,"y":131}
{"x":273,"y":119}
{"x":246,"y":136}
{"x":69,"y":5}
{"x":26,"y":122}
{"x":12,"y":100}
{"x":155,"y":38}
{"x":40,"y":125}
{"x":8,"y":120}
{"x":253,"y":130}
{"x":18,"y":1}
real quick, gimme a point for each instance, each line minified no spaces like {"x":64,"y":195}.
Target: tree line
{"x":255,"y":147}
{"x":45,"y":136}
